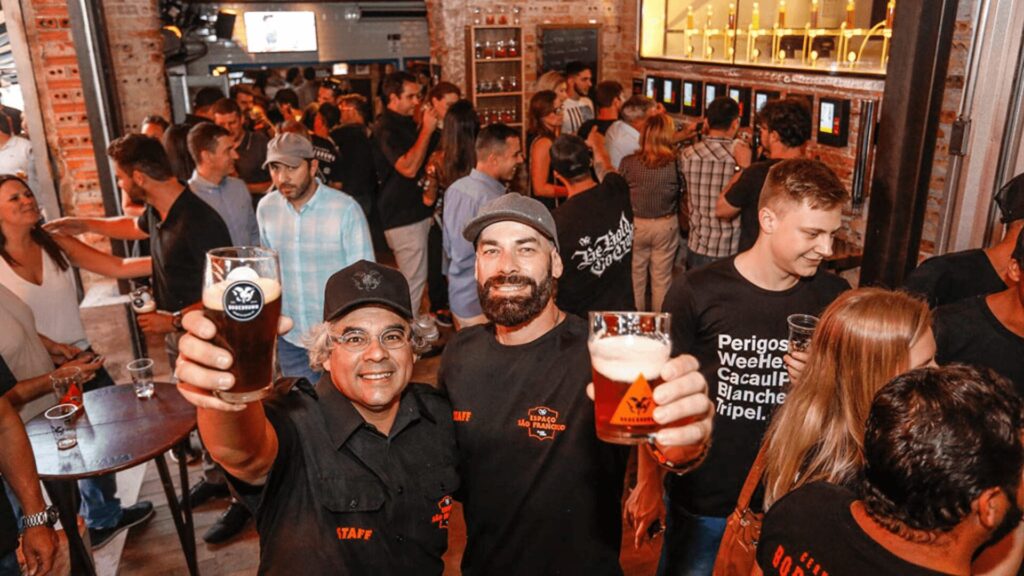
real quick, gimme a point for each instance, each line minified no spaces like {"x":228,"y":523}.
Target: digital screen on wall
{"x":827,"y":117}
{"x":651,"y":88}
{"x":280,"y":32}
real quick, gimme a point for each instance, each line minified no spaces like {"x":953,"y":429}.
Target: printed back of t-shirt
{"x":595,"y":233}
{"x":541,"y":494}
{"x":811,"y":531}
{"x":739,"y":334}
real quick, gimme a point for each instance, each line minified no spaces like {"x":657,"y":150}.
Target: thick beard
{"x":514,"y":310}
{"x":1010,"y":521}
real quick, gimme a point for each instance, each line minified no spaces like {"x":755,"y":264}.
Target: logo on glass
{"x":243,"y":301}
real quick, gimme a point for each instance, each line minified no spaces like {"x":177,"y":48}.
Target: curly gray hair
{"x":319,"y":344}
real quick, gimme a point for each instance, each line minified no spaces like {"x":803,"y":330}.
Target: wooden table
{"x":116,"y":432}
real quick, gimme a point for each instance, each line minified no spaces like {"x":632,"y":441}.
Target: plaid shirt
{"x":327,"y":234}
{"x":707,"y":167}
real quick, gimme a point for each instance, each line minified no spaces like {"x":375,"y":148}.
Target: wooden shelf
{"x":489,"y":60}
{"x":496,"y":94}
{"x":509,"y":67}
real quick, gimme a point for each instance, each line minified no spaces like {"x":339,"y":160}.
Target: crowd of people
{"x":863,"y":454}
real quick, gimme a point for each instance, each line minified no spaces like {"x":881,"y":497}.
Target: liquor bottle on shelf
{"x":502,"y":17}
{"x":490,"y":17}
{"x":689,"y":18}
{"x":476,"y":16}
{"x":732,"y":16}
{"x":488,"y":50}
{"x":782,"y":13}
{"x":513,"y":50}
{"x":890,"y":12}
{"x":755,"y":17}
{"x":707,"y":21}
{"x":478,"y":49}
{"x":814,"y":13}
{"x":500,"y":51}
{"x":851,"y":14}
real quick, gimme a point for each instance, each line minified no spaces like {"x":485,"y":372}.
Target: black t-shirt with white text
{"x":541,"y":493}
{"x":952,"y":277}
{"x":745,"y":194}
{"x":595,"y":234}
{"x":812,"y":531}
{"x":739,"y":334}
{"x":967,"y":332}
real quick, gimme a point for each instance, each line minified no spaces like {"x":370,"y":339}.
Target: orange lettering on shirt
{"x":461,"y":415}
{"x":353,"y":533}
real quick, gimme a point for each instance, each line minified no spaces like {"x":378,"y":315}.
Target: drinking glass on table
{"x":627,"y":352}
{"x":67,"y":385}
{"x":62,"y":423}
{"x":141,"y":371}
{"x":242,"y":297}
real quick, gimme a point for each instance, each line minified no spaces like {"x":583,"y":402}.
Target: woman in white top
{"x":35,"y":265}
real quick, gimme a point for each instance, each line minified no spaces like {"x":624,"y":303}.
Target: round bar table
{"x":116,"y":432}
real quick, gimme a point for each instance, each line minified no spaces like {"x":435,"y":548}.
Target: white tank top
{"x":55,"y":303}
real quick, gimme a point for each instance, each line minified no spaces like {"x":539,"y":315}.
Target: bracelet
{"x":678,"y":467}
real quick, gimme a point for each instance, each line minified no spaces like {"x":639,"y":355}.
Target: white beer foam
{"x":213,"y":295}
{"x":623,"y":358}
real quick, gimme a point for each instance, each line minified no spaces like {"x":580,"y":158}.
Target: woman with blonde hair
{"x":865,"y":338}
{"x":655,"y":190}
{"x":554,"y":81}
{"x":543,"y":127}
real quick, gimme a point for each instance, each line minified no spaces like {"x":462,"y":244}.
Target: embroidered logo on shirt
{"x":367,"y":281}
{"x":354,"y":533}
{"x":541,"y":423}
{"x":599,"y":254}
{"x":445,"y":507}
{"x":461,"y":415}
{"x":243,"y":300}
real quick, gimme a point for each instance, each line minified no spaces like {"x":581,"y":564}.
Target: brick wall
{"x":133,"y":30}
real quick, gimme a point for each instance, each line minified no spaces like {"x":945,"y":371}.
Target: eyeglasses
{"x":359,"y":340}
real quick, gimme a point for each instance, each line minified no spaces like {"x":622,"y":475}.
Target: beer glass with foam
{"x":627,"y":352}
{"x":242,"y":296}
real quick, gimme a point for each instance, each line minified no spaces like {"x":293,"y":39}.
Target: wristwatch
{"x":48,"y":517}
{"x":176,"y":320}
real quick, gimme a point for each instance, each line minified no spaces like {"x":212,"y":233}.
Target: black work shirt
{"x":343,"y":498}
{"x":328,"y":159}
{"x":356,"y":171}
{"x":8,"y":523}
{"x":745,"y":194}
{"x":541,"y":493}
{"x":179,"y":243}
{"x":252,"y":153}
{"x":967,"y":332}
{"x":953,"y":277}
{"x":401,"y":198}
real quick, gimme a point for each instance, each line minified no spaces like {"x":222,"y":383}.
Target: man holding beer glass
{"x":353,"y":476}
{"x":541,"y":491}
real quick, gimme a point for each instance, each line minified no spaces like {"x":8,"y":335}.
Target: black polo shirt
{"x":342,"y":498}
{"x":8,"y":523}
{"x":401,"y":198}
{"x":252,"y":153}
{"x":179,"y":243}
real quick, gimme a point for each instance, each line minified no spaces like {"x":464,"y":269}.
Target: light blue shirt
{"x":462,"y":202}
{"x":328,"y":233}
{"x":621,"y":140}
{"x":231,"y":199}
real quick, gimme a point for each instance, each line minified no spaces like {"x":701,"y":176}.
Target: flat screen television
{"x":280,"y":32}
{"x":670,"y":94}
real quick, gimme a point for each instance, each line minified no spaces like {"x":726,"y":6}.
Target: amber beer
{"x":242,"y":296}
{"x":627,"y":353}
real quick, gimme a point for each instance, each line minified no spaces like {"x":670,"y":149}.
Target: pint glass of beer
{"x":242,"y":296}
{"x":627,"y":352}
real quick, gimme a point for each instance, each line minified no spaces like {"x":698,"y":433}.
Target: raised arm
{"x":724,"y":210}
{"x":239,"y":436}
{"x":84,"y":256}
{"x":540,"y":166}
{"x":409,"y":164}
{"x":117,"y":227}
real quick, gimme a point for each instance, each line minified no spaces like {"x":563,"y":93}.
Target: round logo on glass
{"x":243,"y":300}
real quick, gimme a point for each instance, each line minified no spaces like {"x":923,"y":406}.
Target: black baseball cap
{"x":1010,"y":199}
{"x":364,"y":283}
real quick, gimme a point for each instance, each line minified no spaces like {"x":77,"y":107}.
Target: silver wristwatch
{"x":48,"y":517}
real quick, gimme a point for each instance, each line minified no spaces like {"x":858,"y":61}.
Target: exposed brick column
{"x":133,"y":29}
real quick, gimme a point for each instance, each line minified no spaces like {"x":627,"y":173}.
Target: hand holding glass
{"x":801,"y":329}
{"x":627,"y":352}
{"x":242,"y":297}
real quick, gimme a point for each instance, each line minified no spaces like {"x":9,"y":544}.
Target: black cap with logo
{"x":366,"y":283}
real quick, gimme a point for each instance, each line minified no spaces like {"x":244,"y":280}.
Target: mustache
{"x":509,"y":280}
{"x":386,"y":365}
